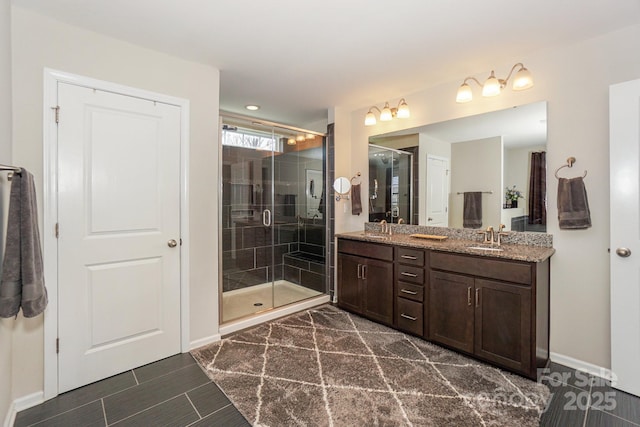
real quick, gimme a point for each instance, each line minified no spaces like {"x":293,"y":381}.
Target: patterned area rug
{"x":327,"y":367}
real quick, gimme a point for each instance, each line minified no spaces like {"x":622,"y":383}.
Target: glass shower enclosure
{"x":390,"y":189}
{"x":273,"y":231}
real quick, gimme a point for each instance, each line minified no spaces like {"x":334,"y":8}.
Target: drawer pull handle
{"x":359,"y":271}
{"x":404,"y":273}
{"x":469,"y":296}
{"x":406,"y":316}
{"x":409,"y":257}
{"x":405,"y":291}
{"x":478,"y":297}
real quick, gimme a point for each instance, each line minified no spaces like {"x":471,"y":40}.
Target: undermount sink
{"x":375,"y":236}
{"x":486,"y":248}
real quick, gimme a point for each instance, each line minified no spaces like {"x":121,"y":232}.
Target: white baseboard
{"x":595,"y":370}
{"x":204,"y":341}
{"x":22,"y":403}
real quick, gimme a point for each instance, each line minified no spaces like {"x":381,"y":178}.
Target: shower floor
{"x":242,"y":302}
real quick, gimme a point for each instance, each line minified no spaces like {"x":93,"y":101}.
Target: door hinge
{"x":57,"y":113}
{"x":57,"y":230}
{"x":180,"y":242}
{"x":57,"y":345}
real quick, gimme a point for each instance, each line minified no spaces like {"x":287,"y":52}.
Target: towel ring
{"x":570,"y":162}
{"x":356,"y":178}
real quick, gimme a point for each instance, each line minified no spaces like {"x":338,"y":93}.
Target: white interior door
{"x":625,"y":235}
{"x":119,"y":241}
{"x":437,"y":191}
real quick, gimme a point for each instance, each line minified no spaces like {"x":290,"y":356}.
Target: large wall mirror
{"x":421,"y":175}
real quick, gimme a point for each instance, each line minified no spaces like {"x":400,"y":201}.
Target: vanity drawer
{"x":410,"y":317}
{"x":410,"y":291}
{"x":510,"y":271}
{"x":365,"y":249}
{"x":411,"y":274}
{"x":410,"y":256}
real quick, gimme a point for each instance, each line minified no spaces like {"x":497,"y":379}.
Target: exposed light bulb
{"x":291,"y":141}
{"x":299,"y":138}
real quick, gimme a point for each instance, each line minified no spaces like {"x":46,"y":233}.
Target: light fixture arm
{"x":375,"y":108}
{"x":474,"y":79}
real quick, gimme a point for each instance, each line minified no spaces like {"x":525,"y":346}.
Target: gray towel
{"x":22,"y":283}
{"x":356,"y":200}
{"x":573,"y":206}
{"x":472,"y":210}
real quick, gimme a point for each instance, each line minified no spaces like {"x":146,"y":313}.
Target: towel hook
{"x":570,"y":162}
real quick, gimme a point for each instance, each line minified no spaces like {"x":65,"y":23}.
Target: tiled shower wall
{"x":248,"y":246}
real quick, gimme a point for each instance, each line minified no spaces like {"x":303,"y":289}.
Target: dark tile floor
{"x":174,"y":391}
{"x":579,"y":399}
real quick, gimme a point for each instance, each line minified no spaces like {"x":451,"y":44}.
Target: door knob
{"x":172,"y":243}
{"x":623,"y":252}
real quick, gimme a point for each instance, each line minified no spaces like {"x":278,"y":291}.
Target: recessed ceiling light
{"x":252,"y":107}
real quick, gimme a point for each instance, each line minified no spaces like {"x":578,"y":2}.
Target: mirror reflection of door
{"x":437,"y":191}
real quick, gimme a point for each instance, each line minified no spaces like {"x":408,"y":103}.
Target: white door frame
{"x":50,"y":209}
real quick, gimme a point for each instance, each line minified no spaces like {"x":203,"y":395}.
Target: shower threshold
{"x":257,"y":299}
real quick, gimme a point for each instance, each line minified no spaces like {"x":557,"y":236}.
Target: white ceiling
{"x":297,"y":58}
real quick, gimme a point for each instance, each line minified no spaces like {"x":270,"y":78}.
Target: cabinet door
{"x":503,"y":324}
{"x":349,"y":273}
{"x":451,"y":310}
{"x":377,"y":291}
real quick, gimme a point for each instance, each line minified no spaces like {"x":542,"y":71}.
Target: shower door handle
{"x":266,"y":218}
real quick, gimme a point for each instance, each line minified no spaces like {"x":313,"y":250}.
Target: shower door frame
{"x":273,"y":312}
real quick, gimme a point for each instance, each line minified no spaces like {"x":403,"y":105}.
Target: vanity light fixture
{"x":291,"y":141}
{"x":388,"y":113}
{"x":493,"y":85}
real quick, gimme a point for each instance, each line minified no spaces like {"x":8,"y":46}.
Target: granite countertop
{"x":509,"y":251}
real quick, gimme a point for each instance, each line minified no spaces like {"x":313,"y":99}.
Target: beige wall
{"x":40,"y":42}
{"x":574,"y":80}
{"x":6,"y":325}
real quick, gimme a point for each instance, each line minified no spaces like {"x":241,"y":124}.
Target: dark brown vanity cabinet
{"x":409,"y":286}
{"x":365,"y":279}
{"x":496,"y":310}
